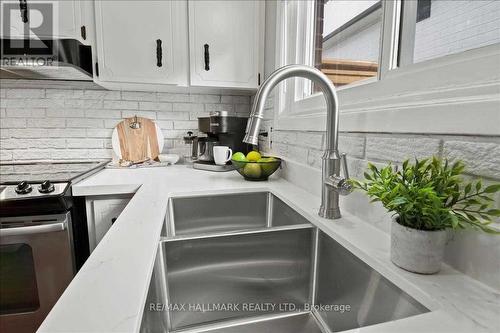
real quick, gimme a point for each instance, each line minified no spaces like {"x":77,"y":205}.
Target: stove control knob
{"x":23,"y":188}
{"x":46,"y":187}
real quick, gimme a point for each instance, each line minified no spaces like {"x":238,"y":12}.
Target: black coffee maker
{"x":218,"y":129}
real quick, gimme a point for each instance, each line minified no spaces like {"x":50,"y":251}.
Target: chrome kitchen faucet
{"x":333,"y":183}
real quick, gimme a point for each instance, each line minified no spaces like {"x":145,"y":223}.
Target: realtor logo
{"x":27,"y":30}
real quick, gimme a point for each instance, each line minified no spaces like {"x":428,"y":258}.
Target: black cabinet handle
{"x":207,"y":58}
{"x":158,"y":53}
{"x":23,"y":8}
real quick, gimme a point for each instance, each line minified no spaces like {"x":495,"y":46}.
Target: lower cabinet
{"x":102,"y":212}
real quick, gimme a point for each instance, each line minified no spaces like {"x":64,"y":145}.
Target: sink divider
{"x":164,"y":239}
{"x":269,"y":216}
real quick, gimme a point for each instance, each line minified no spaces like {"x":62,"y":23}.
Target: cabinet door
{"x":46,"y":19}
{"x":225,"y":43}
{"x":105,"y":213}
{"x":142,"y":41}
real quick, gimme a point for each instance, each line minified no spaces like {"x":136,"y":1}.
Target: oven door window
{"x":18,"y":288}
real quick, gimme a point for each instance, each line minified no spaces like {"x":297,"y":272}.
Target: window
{"x":423,"y":10}
{"x":350,"y":45}
{"x":429,"y":60}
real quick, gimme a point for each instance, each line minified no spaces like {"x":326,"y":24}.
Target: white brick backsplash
{"x":352,"y":145}
{"x":111,"y":123}
{"x":169,"y":97}
{"x":102,"y":94}
{"x":103,"y":114}
{"x":235,"y":99}
{"x":309,"y":139}
{"x":12,"y":122}
{"x":155,"y":106}
{"x":145,"y":114}
{"x":99,"y":153}
{"x":83,"y":103}
{"x":28,"y":103}
{"x":47,"y":143}
{"x":194,"y":115}
{"x":171,"y":133}
{"x":204,"y":98}
{"x":5,"y":155}
{"x":481,"y":158}
{"x":187,"y":124}
{"x":13,"y":143}
{"x":285,"y":137}
{"x":46,"y":122}
{"x":24,"y":113}
{"x":314,"y":158}
{"x":99,"y":133}
{"x":28,"y":133}
{"x":25,"y":93}
{"x":398,"y":149}
{"x":183,"y":106}
{"x":219,"y":107}
{"x":77,"y":123}
{"x":65,"y":113}
{"x":67,"y":133}
{"x":165,"y":124}
{"x":84,"y":123}
{"x":121,"y":105}
{"x":139,"y":96}
{"x":173,"y":115}
{"x":33,"y":143}
{"x":85,"y":143}
{"x":31,"y":154}
{"x":63,"y":93}
{"x":242,"y":108}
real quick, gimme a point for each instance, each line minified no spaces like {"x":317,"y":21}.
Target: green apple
{"x":239,"y":157}
{"x":267,"y":166}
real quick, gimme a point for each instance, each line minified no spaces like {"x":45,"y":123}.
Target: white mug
{"x":222,"y":154}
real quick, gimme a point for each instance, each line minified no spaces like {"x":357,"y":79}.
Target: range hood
{"x":70,"y":60}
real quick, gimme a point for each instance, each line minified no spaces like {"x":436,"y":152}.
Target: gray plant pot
{"x":417,"y":251}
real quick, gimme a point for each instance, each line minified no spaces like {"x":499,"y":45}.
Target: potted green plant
{"x":428,"y":197}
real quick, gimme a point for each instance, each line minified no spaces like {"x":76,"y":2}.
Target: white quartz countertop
{"x":109,"y":292}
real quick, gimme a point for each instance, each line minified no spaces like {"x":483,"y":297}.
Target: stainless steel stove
{"x":43,"y":237}
{"x":50,"y":178}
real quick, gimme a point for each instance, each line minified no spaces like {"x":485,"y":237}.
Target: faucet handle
{"x":343,"y":161}
{"x":340,"y":183}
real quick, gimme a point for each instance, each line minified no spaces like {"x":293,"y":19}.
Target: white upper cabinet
{"x":51,"y":19}
{"x":226,"y":43}
{"x":142,"y":42}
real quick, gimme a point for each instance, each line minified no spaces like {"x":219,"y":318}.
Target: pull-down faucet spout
{"x":332,"y":183}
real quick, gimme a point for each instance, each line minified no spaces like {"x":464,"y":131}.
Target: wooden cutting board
{"x":138,"y":144}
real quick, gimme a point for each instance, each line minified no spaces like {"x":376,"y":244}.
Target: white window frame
{"x":453,"y":94}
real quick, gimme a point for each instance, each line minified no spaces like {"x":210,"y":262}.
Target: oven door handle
{"x":36,"y":229}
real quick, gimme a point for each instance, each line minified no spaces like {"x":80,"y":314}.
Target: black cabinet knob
{"x":46,"y":187}
{"x":23,"y":187}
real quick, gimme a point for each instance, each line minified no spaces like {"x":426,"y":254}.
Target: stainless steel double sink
{"x":247,"y":262}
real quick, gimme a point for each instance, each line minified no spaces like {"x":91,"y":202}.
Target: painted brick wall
{"x":77,"y":123}
{"x":455,"y":26}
